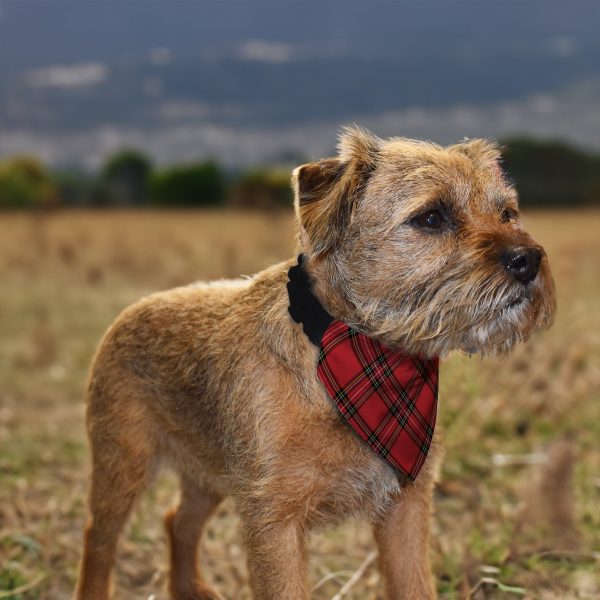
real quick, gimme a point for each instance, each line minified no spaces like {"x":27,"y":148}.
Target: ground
{"x":518,"y":503}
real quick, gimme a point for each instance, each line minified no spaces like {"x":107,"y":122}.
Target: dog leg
{"x":122,"y":460}
{"x":109,"y":510}
{"x":184,"y":527}
{"x":277,"y":560}
{"x":402,"y":537}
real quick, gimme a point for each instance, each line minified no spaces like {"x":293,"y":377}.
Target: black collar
{"x":304,"y":307}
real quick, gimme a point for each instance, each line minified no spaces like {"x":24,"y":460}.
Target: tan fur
{"x":218,"y":381}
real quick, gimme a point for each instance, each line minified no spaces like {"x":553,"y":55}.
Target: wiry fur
{"x":217,"y":380}
{"x":452,"y":291}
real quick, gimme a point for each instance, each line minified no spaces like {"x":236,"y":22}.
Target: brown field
{"x":518,"y":503}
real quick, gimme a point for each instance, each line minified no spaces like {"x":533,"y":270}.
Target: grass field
{"x":518,"y":502}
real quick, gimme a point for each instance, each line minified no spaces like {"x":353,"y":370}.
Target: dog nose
{"x":522,"y":262}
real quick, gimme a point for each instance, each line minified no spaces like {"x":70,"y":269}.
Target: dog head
{"x":421,"y":246}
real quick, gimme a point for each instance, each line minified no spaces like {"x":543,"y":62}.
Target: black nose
{"x":522,"y":262}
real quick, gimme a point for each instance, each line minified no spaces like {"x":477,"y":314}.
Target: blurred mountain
{"x":249,"y":82}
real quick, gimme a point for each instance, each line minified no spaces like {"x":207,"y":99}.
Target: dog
{"x":415,"y":249}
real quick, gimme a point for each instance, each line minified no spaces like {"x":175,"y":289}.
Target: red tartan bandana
{"x":388,"y":397}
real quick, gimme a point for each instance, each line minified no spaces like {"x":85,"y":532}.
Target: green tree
{"x":25,"y":183}
{"x":552,"y":173}
{"x":262,"y":188}
{"x":126,"y":177}
{"x":200,"y":184}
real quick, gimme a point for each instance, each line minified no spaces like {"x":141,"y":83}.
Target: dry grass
{"x":529,"y":521}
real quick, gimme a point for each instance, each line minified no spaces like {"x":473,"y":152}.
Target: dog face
{"x":420,"y":246}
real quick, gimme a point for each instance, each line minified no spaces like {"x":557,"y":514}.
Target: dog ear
{"x":358,"y":144}
{"x":483,"y":152}
{"x":326,"y":191}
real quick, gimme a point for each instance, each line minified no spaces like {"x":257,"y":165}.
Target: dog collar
{"x":388,"y":397}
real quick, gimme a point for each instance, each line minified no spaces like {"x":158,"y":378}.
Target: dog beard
{"x":485,"y":315}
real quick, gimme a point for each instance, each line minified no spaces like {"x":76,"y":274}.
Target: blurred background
{"x":148,"y":144}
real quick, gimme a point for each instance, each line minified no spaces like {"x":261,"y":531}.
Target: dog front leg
{"x":277,"y":560}
{"x":402,"y":537}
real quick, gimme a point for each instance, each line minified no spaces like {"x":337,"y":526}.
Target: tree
{"x":126,"y":177}
{"x":25,"y":183}
{"x":552,"y":173}
{"x":264,"y":188}
{"x":200,"y":184}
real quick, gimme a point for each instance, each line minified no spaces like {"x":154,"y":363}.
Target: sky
{"x":251,"y":82}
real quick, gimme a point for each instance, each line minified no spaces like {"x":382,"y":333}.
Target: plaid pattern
{"x":388,"y":397}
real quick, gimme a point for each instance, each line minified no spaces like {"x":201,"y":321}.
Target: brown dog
{"x":415,"y":245}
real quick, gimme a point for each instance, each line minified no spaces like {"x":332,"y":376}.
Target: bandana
{"x":388,"y":397}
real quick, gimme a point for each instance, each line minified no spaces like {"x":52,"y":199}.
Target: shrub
{"x":264,"y":189}
{"x":125,"y":178}
{"x":25,"y":183}
{"x":201,"y":184}
{"x":552,"y":173}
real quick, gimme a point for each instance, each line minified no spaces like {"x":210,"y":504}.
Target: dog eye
{"x":508,"y":215}
{"x":432,"y":219}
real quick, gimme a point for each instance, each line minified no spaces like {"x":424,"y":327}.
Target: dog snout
{"x":522,"y":262}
